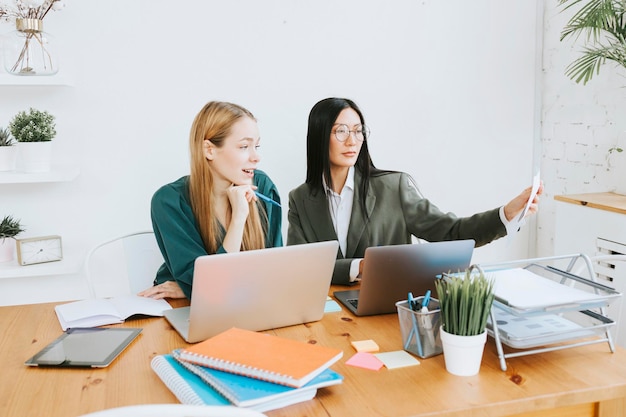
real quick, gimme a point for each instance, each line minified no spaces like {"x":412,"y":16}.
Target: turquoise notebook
{"x":185,"y":385}
{"x":250,"y":392}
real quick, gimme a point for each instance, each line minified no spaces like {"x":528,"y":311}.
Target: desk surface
{"x":582,"y":381}
{"x":603,"y":201}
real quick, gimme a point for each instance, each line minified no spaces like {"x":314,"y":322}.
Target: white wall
{"x":579,"y":124}
{"x":448,"y":90}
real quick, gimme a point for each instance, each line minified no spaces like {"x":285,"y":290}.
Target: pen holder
{"x":420,"y":331}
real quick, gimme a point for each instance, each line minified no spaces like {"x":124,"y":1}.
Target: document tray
{"x":539,"y":307}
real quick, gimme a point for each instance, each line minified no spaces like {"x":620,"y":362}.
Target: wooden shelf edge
{"x":603,"y":201}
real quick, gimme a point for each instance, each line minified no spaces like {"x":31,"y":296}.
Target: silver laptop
{"x":256,"y":290}
{"x":390,"y":272}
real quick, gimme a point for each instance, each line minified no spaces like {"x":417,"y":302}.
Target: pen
{"x":410,"y":300}
{"x":426,"y":299}
{"x":413,"y":305}
{"x":265,"y":198}
{"x":427,"y":325}
{"x":414,"y":329}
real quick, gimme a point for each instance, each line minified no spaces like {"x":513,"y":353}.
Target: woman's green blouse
{"x":177,"y":232}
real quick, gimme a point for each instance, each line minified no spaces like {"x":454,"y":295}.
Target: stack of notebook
{"x":247,"y":369}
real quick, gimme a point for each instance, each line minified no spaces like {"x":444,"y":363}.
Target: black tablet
{"x":85,"y":347}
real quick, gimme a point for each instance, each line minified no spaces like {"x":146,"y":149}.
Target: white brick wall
{"x":579,"y":125}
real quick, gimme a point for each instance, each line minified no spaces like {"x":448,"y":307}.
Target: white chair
{"x":175,"y":410}
{"x":124,"y":265}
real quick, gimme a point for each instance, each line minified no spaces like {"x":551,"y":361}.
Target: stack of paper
{"x":248,"y":369}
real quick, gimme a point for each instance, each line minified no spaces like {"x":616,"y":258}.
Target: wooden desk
{"x":585,"y":381}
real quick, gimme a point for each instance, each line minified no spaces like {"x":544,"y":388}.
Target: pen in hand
{"x":266,"y":198}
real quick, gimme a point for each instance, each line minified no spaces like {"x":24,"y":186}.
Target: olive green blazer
{"x":395,"y":211}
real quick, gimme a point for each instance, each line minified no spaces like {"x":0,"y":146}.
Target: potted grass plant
{"x":465,"y":300}
{"x":8,"y":150}
{"x":9,"y":228}
{"x":34,"y":131}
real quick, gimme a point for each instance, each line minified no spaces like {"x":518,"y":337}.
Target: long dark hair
{"x":321,"y":120}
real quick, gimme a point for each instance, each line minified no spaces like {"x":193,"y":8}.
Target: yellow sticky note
{"x":397,"y":359}
{"x":365,"y":346}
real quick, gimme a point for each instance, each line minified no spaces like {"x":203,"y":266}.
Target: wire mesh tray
{"x":539,"y":289}
{"x":523,"y":331}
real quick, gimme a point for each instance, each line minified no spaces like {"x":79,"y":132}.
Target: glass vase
{"x":29,"y":50}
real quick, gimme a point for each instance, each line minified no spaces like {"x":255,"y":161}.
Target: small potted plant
{"x":9,"y":228}
{"x":34,"y":131}
{"x":8,"y":150}
{"x":465,"y":301}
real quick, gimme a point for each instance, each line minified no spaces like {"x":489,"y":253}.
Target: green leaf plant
{"x":33,"y":126}
{"x":10,"y":227}
{"x":603,"y":24}
{"x":5,"y":137}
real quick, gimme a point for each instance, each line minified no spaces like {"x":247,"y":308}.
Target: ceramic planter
{"x":463,"y":354}
{"x":7,"y":249}
{"x":35,"y":156}
{"x":8,"y":158}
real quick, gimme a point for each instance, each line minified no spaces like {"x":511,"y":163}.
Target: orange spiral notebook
{"x":262,"y":356}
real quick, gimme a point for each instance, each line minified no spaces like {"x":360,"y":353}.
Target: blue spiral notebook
{"x":185,"y":385}
{"x":241,"y":391}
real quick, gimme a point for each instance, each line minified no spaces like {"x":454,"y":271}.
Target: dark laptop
{"x":390,"y":272}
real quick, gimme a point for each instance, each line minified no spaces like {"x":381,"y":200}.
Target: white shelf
{"x":34,"y":80}
{"x":70,"y":264}
{"x":56,"y":174}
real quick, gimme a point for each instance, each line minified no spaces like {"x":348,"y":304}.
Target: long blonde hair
{"x":213,"y":123}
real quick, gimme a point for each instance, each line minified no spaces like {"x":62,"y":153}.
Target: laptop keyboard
{"x":353,"y":301}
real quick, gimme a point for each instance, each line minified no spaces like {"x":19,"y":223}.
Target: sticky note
{"x":365,"y":360}
{"x":365,"y":345}
{"x":397,"y":359}
{"x":331,"y":306}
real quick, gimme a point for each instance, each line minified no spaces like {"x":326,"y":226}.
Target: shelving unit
{"x":58,"y":80}
{"x":70,"y":264}
{"x":56,"y":174}
{"x":21,"y":276}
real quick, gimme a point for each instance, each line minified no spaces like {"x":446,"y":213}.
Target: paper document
{"x":533,"y":193}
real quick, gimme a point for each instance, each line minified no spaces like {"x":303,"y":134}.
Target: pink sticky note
{"x":365,"y":360}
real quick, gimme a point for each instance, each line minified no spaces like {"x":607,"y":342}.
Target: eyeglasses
{"x":343,"y":131}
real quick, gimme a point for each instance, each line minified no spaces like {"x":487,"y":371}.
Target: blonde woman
{"x":215,"y":209}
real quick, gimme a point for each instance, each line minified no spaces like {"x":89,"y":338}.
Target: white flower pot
{"x":8,"y":158}
{"x":35,"y":156}
{"x":7,"y":249}
{"x":463,"y":354}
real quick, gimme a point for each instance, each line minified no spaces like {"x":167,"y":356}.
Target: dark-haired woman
{"x":345,"y":197}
